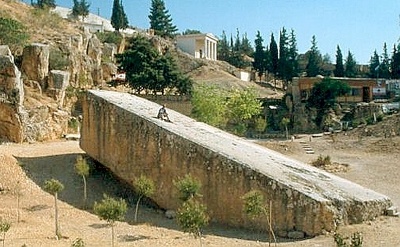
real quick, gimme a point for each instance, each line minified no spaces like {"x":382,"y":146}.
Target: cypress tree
{"x":314,"y":59}
{"x":374,"y":65}
{"x":223,"y":48}
{"x":385,"y":64}
{"x":339,"y":68}
{"x":273,"y":50}
{"x":259,"y":55}
{"x":395,"y":62}
{"x":119,"y":19}
{"x":350,"y":66}
{"x":292,"y":56}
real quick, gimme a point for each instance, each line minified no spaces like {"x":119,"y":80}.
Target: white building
{"x":199,"y":45}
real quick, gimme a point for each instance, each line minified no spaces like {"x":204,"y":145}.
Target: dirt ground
{"x":368,"y":160}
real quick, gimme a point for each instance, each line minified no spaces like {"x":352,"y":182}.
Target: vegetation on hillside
{"x":234,"y":111}
{"x":14,"y":34}
{"x":149,"y":70}
{"x":323,"y":96}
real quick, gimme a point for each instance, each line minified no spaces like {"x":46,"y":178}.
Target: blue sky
{"x":360,"y":26}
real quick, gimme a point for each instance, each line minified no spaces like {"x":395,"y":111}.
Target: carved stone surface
{"x":120,"y":131}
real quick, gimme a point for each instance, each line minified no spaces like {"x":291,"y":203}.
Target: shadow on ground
{"x":102,"y":181}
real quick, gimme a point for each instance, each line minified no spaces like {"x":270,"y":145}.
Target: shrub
{"x":110,"y":37}
{"x":58,"y":60}
{"x":322,"y":161}
{"x":188,"y":187}
{"x":356,"y":240}
{"x":13,"y":34}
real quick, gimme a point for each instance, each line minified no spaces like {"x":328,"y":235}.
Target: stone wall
{"x":120,"y":131}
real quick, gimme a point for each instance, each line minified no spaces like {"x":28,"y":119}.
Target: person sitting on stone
{"x":162,"y":114}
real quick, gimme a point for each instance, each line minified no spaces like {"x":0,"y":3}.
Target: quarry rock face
{"x":35,"y":62}
{"x":11,"y":97}
{"x":121,"y":131}
{"x":58,"y":83}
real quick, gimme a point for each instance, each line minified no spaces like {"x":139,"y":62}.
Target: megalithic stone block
{"x":122,"y":132}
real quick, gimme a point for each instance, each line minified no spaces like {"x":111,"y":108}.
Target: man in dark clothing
{"x":162,"y":114}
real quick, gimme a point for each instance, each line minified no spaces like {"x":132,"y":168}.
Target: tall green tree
{"x":160,"y":20}
{"x":274,"y":56}
{"x":283,"y":61}
{"x":46,"y":4}
{"x":384,"y":69}
{"x":80,"y":8}
{"x":395,"y":62}
{"x":259,"y":55}
{"x":313,"y":67}
{"x":53,"y":186}
{"x":374,"y":65}
{"x":147,"y":69}
{"x":339,"y":67}
{"x":223,"y":48}
{"x":292,"y":57}
{"x":245,"y":46}
{"x":350,"y":66}
{"x":119,"y":20}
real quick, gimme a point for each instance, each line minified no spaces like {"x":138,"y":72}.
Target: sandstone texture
{"x":120,"y":131}
{"x":11,"y":97}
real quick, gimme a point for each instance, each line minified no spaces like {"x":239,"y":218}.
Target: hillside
{"x":47,"y":31}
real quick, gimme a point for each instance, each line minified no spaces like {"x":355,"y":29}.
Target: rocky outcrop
{"x":58,"y":83}
{"x":35,"y":62}
{"x":120,"y":131}
{"x":11,"y":98}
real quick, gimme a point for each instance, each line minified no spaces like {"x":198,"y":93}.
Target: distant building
{"x":362,"y":89}
{"x":199,"y":45}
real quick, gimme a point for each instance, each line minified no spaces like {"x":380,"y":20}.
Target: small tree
{"x":192,"y":217}
{"x":254,"y":206}
{"x":188,"y":187}
{"x":53,"y":187}
{"x":145,"y":188}
{"x":285,"y":121}
{"x":82,"y":169}
{"x":110,"y":210}
{"x":4,"y":227}
{"x":78,"y":243}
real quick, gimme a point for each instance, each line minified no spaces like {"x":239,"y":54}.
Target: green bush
{"x":58,"y":60}
{"x":110,"y":37}
{"x":14,"y":34}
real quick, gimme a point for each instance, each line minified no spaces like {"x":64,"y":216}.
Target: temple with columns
{"x":202,"y":45}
